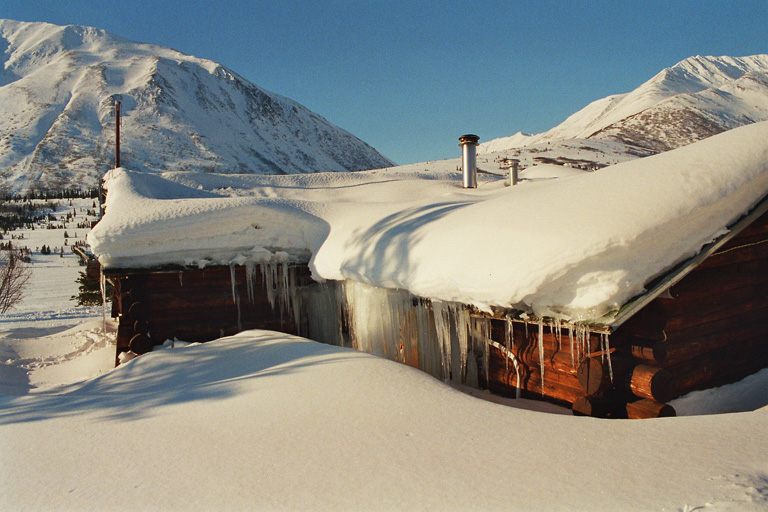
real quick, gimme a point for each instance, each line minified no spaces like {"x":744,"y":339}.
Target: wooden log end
{"x":592,"y":375}
{"x":599,"y":407}
{"x":652,"y":382}
{"x":647,"y":408}
{"x":141,"y":344}
{"x":654,"y":351}
{"x":138,"y":311}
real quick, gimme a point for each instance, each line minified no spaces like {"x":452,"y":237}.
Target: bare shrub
{"x":14,"y":274}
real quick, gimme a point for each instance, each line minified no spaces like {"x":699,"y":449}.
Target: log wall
{"x":194,"y":305}
{"x":711,"y":329}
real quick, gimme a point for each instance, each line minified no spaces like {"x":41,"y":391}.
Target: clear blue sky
{"x":410,"y":77}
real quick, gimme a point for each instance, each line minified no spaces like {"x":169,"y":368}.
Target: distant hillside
{"x":180,"y":113}
{"x":692,"y":100}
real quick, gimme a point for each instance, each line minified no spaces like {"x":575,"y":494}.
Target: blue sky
{"x":410,"y":77}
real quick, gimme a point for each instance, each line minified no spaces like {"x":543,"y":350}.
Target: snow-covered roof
{"x":577,"y":246}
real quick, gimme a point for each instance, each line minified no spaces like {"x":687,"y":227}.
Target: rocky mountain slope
{"x":692,"y":100}
{"x":58,"y":86}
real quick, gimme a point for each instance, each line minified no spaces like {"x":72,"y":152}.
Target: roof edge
{"x":672,"y":277}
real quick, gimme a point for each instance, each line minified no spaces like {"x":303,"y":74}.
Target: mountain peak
{"x":696,"y":98}
{"x":180,"y":113}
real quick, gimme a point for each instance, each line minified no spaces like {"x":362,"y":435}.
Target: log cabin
{"x":694,"y":324}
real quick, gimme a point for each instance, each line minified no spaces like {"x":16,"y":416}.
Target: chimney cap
{"x":508,"y":162}
{"x":469,"y":139}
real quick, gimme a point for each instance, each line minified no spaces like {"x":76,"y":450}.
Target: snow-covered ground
{"x":43,"y":338}
{"x":265,"y":421}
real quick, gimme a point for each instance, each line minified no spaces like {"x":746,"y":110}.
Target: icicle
{"x":103,"y":290}
{"x":510,"y":341}
{"x":461,"y":320}
{"x":239,"y":321}
{"x":443,"y":333}
{"x":607,"y":349}
{"x":232,"y":280}
{"x":510,"y":356}
{"x":181,"y":281}
{"x":268,"y":281}
{"x":298,"y":307}
{"x":602,"y":349}
{"x":249,"y":278}
{"x":541,"y":352}
{"x":285,"y":290}
{"x":487,"y":352}
{"x":570,"y":336}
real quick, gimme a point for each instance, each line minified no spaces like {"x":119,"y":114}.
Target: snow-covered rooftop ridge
{"x":576,"y":247}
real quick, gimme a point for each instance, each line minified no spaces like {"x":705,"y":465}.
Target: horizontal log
{"x":729,"y":363}
{"x":298,"y":270}
{"x":192,"y":308}
{"x":682,"y":348}
{"x":207,"y":330}
{"x":748,"y":307}
{"x":724,"y":277}
{"x":208,"y":295}
{"x":558,"y":362}
{"x":561,"y":387}
{"x":652,"y":382}
{"x":748,"y":314}
{"x":215,"y":316}
{"x":646,"y":408}
{"x":524,"y":337}
{"x":713,"y":299}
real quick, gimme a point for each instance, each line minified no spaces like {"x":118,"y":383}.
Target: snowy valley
{"x":265,"y":420}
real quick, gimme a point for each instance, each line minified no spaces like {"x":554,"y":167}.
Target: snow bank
{"x":576,"y":247}
{"x":267,"y":421}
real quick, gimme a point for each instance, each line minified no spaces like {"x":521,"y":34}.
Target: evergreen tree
{"x":89,"y":293}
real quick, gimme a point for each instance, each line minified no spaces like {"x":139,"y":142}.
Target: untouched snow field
{"x":268,"y":421}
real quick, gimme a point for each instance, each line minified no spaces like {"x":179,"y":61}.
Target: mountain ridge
{"x":58,"y":85}
{"x":694,"y":99}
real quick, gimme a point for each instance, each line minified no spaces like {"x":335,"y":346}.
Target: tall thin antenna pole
{"x":117,"y":134}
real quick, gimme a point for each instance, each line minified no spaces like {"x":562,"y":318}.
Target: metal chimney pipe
{"x":513,"y":165}
{"x":468,"y":145}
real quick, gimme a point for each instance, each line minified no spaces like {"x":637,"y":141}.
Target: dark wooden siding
{"x":193,"y":305}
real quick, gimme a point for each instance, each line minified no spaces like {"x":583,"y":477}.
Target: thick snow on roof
{"x":577,"y":246}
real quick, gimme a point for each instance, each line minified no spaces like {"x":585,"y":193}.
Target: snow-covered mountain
{"x":692,"y":100}
{"x":58,"y":85}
